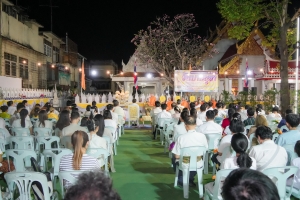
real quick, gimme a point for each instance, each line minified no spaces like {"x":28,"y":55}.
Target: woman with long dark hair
{"x":79,"y":160}
{"x":23,"y":122}
{"x":227,"y":120}
{"x":63,"y":121}
{"x":239,"y":144}
{"x":179,"y":128}
{"x":43,"y":121}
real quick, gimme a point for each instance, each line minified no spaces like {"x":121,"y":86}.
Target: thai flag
{"x":246,"y":75}
{"x":135,"y":78}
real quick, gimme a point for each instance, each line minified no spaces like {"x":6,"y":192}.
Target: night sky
{"x":103,"y":29}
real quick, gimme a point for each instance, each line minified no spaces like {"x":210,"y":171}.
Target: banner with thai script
{"x":196,"y":81}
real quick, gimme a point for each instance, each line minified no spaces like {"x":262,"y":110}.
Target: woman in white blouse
{"x":109,"y":122}
{"x":22,"y":122}
{"x":179,"y":128}
{"x":43,"y":121}
{"x":239,"y":144}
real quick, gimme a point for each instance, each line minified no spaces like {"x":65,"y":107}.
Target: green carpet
{"x":144,"y":171}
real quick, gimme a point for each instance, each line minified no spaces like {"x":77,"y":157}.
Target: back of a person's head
{"x":69,"y":103}
{"x":210,"y":104}
{"x":74,"y":115}
{"x":203,"y":107}
{"x":10,"y":103}
{"x":192,"y":105}
{"x":239,"y":143}
{"x":133,"y":100}
{"x":219,"y":105}
{"x":178,"y":101}
{"x":210,"y":114}
{"x":231,"y":111}
{"x":88,"y":108}
{"x":79,"y":139}
{"x":237,"y":116}
{"x":236,"y":126}
{"x":264,"y":132}
{"x":115,"y":103}
{"x":184,"y":114}
{"x":4,"y":108}
{"x":259,"y":106}
{"x":109,"y":107}
{"x":177,"y":109}
{"x":247,"y":107}
{"x":216,"y":112}
{"x":74,"y":109}
{"x":157,"y":104}
{"x":275,"y":109}
{"x":90,"y":125}
{"x":250,"y":112}
{"x":173,"y":105}
{"x":107,"y":114}
{"x":99,"y":122}
{"x":163,"y":106}
{"x":193,"y":112}
{"x":93,"y":185}
{"x":190,"y":120}
{"x":231,"y":105}
{"x":94,"y":103}
{"x":248,"y":184}
{"x":20,"y":105}
{"x":288,"y":111}
{"x":83,"y":121}
{"x":63,"y":120}
{"x":292,"y":120}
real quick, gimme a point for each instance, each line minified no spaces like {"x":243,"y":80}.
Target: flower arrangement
{"x":275,"y":121}
{"x":42,"y":96}
{"x":279,"y":131}
{"x":213,"y":177}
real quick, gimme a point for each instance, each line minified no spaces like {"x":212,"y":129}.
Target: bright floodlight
{"x":149,"y":75}
{"x":200,"y":75}
{"x":249,"y":72}
{"x":94,"y":72}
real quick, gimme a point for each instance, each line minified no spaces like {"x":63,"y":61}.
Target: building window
{"x":23,"y":66}
{"x":10,"y":64}
{"x":47,"y":48}
{"x":56,"y":54}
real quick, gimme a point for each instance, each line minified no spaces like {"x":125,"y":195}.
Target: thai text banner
{"x":196,"y":81}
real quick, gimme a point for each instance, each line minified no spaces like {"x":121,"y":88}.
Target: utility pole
{"x":51,"y":14}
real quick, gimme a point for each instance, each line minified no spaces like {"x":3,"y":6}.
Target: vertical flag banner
{"x":135,"y":78}
{"x":82,"y":75}
{"x":246,"y":75}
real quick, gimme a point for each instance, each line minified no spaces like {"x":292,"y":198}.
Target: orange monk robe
{"x":214,"y":104}
{"x":185,"y":104}
{"x":152,"y":100}
{"x":169,"y":103}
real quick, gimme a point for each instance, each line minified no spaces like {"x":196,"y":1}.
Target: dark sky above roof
{"x":103,"y":29}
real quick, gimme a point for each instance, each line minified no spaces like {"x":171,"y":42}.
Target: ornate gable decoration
{"x":250,"y":46}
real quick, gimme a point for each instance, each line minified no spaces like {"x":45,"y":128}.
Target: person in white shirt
{"x":25,"y":103}
{"x":267,"y":154}
{"x":164,"y":114}
{"x":117,"y":109}
{"x":221,"y":112}
{"x":5,"y":134}
{"x":239,"y":144}
{"x":176,"y":115}
{"x":74,"y":126}
{"x":210,"y":126}
{"x":16,"y":115}
{"x":179,"y":104}
{"x":153,"y":114}
{"x":199,"y":122}
{"x":236,"y":126}
{"x":114,"y":115}
{"x":11,"y":108}
{"x":22,"y":122}
{"x":262,"y":111}
{"x":210,"y":106}
{"x":109,"y":122}
{"x":296,"y":163}
{"x":172,"y":111}
{"x":179,"y":128}
{"x":202,"y":114}
{"x":242,"y":113}
{"x":43,"y":121}
{"x":190,"y":139}
{"x":88,"y":111}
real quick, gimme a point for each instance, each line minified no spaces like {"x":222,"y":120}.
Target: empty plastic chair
{"x":213,"y":189}
{"x":47,"y":142}
{"x":21,"y":142}
{"x":19,"y":158}
{"x":290,"y":149}
{"x":193,"y":153}
{"x":281,"y":174}
{"x":42,"y":131}
{"x":65,"y":141}
{"x":20,"y":131}
{"x":99,"y":153}
{"x":108,"y":144}
{"x":23,"y":181}
{"x":213,"y":141}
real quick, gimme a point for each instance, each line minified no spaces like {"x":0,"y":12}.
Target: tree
{"x":168,"y":43}
{"x":272,"y":15}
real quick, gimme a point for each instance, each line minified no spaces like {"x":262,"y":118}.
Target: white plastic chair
{"x":3,"y":136}
{"x":47,"y":142}
{"x":290,"y":149}
{"x":213,"y":189}
{"x":21,"y":142}
{"x":114,"y":136}
{"x":193,"y":153}
{"x":168,"y":132}
{"x":19,"y":158}
{"x":294,"y":191}
{"x":133,"y":114}
{"x":33,"y":120}
{"x":281,"y":174}
{"x":213,"y":141}
{"x":20,"y":131}
{"x":99,"y":153}
{"x":65,"y":142}
{"x":56,"y":155}
{"x":247,"y":128}
{"x":165,"y":123}
{"x":108,"y":143}
{"x":24,"y":180}
{"x":121,"y":125}
{"x":42,"y":131}
{"x":70,"y":176}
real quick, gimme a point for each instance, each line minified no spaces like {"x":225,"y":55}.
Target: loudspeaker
{"x":245,"y":89}
{"x":254,"y":90}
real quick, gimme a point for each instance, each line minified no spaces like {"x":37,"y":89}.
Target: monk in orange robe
{"x":184,"y":103}
{"x":214,"y":103}
{"x":169,"y":103}
{"x":152,"y":100}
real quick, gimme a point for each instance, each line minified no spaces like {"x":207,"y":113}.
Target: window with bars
{"x":23,"y":67}
{"x":47,"y":48}
{"x":56,"y":54}
{"x":10,"y":64}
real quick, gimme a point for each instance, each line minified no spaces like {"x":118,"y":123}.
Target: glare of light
{"x":135,"y":73}
{"x":261,"y":70}
{"x":149,"y":75}
{"x":162,"y":74}
{"x":94,"y":72}
{"x":66,"y":67}
{"x":175,"y":74}
{"x":24,"y":61}
{"x":249,"y":78}
{"x":188,"y":74}
{"x":237,"y":71}
{"x":249,"y":72}
{"x":214,"y":73}
{"x":200,"y":75}
{"x":52,"y":66}
{"x":108,"y":72}
{"x":80,"y":69}
{"x":39,"y":64}
{"x":121,"y":73}
{"x":225,"y":72}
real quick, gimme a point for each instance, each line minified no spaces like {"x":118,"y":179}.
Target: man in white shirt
{"x":164,"y":114}
{"x":74,"y":126}
{"x":210,"y":126}
{"x":114,"y":115}
{"x":267,"y":154}
{"x":172,"y":111}
{"x":154,"y":112}
{"x":202,"y":114}
{"x":26,"y":105}
{"x":138,"y":108}
{"x":190,"y":139}
{"x":117,"y":109}
{"x":11,"y":108}
{"x":221,"y":112}
{"x":262,"y":111}
{"x":15,"y":116}
{"x":179,"y":104}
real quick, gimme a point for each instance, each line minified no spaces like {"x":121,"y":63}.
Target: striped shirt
{"x":249,"y":121}
{"x":87,"y":163}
